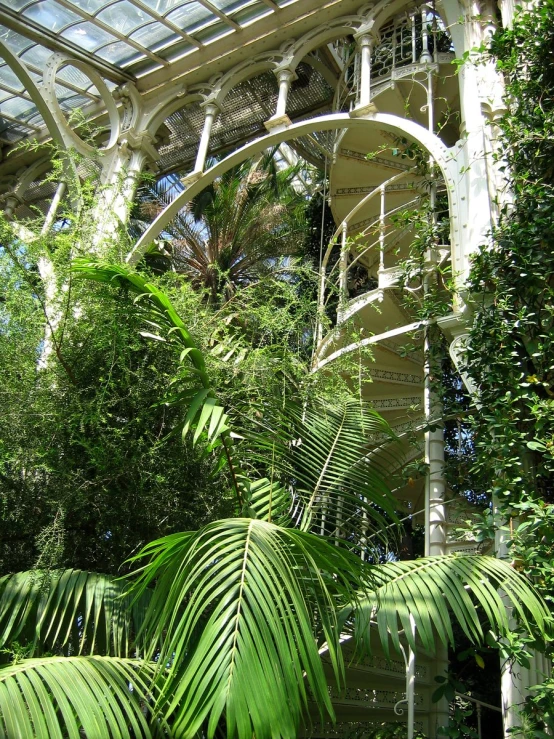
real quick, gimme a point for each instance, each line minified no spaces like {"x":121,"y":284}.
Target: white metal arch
{"x":383,"y":121}
{"x":20,"y":70}
{"x":159,"y":115}
{"x":268,"y":61}
{"x":31,"y":173}
{"x":330,"y":32}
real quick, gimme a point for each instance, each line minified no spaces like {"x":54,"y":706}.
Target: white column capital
{"x":366,"y":37}
{"x":141,"y":143}
{"x":210,"y":108}
{"x":285,"y":75}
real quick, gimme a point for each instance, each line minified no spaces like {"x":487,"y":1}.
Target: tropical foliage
{"x":223,"y":629}
{"x":238,"y":228}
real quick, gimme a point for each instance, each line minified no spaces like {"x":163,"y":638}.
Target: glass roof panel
{"x":207,"y":35}
{"x":14,"y":132}
{"x":124,"y":17}
{"x":16,"y":4}
{"x":36,"y":56}
{"x":76,"y":78}
{"x":51,"y":15}
{"x":17,"y":107}
{"x":162,"y":6}
{"x":4,"y":95}
{"x":191,"y":16}
{"x":178,"y":51}
{"x":90,"y":6}
{"x":75,"y":101}
{"x":251,"y":13}
{"x":153,"y":36}
{"x":14,"y":41}
{"x":119,"y":53}
{"x":10,"y":79}
{"x":228,"y":6}
{"x":88,"y":36}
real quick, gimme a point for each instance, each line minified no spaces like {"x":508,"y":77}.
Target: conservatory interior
{"x":370,"y":97}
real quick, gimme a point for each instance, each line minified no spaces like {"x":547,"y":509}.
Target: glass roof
{"x":134,"y":37}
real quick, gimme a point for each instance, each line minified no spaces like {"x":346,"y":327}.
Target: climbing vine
{"x":510,"y":355}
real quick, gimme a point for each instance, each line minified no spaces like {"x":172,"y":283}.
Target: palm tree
{"x":222,"y":629}
{"x":238,"y":228}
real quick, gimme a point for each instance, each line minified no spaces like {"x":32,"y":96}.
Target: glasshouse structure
{"x":387,"y":103}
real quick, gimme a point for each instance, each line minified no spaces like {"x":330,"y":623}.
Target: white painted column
{"x":285,"y":78}
{"x":343,"y":267}
{"x":435,"y":484}
{"x":53,"y":209}
{"x":425,"y":57}
{"x":121,"y":176}
{"x":515,"y":680}
{"x":364,"y":105}
{"x":382,"y":230}
{"x":365,"y":44}
{"x":211,"y":110}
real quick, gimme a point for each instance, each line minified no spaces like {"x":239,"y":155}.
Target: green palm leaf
{"x":55,"y":697}
{"x":435,"y":591}
{"x":322,"y":454}
{"x":244,"y":607}
{"x":71,"y":612}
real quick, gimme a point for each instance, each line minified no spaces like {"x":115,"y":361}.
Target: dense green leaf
{"x":436,"y":591}
{"x":70,"y":611}
{"x":55,"y":697}
{"x":243,"y":607}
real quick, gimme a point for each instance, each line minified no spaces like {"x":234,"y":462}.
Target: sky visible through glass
{"x":136,"y":37}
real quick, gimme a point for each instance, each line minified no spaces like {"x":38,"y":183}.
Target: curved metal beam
{"x":20,"y":70}
{"x":385,"y":121}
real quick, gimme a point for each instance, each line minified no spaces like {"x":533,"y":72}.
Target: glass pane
{"x":88,"y":36}
{"x":14,"y":41}
{"x":17,"y":107}
{"x":15,"y":4}
{"x":90,"y":6}
{"x":163,"y":6}
{"x":153,"y":35}
{"x":118,"y":53}
{"x":228,"y":6}
{"x":36,"y":56}
{"x":51,"y":16}
{"x":179,"y":50}
{"x":4,"y":95}
{"x":36,"y":120}
{"x":9,"y":78}
{"x":74,"y":76}
{"x":191,"y":16}
{"x":124,"y":17}
{"x":75,"y":101}
{"x":249,"y":14}
{"x":213,"y":32}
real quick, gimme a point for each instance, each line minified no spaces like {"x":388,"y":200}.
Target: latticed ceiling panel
{"x":130,"y":37}
{"x":37,"y":199}
{"x":185,"y":126}
{"x":242,"y":118}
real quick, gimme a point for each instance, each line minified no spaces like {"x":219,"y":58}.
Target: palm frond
{"x":244,"y":606}
{"x":321,"y":453}
{"x":55,"y":697}
{"x":435,"y":591}
{"x":69,"y":611}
